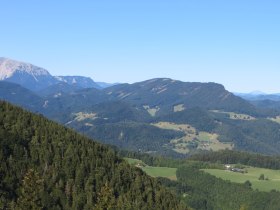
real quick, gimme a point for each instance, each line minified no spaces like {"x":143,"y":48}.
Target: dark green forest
{"x":47,"y":166}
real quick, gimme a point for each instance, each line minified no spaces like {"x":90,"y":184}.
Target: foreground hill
{"x":45,"y":165}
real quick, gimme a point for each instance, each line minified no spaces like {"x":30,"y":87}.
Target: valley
{"x":174,"y":136}
{"x":140,"y":105}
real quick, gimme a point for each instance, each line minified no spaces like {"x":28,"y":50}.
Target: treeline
{"x":46,"y":166}
{"x":235,"y":157}
{"x":206,"y":192}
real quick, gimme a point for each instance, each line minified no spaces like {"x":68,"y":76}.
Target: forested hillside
{"x":46,"y":166}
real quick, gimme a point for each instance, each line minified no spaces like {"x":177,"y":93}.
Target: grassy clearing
{"x":151,"y":111}
{"x":80,"y":116}
{"x":193,"y":139}
{"x":169,"y":173}
{"x":132,"y":161}
{"x":236,"y":116}
{"x":166,"y":172}
{"x":275,"y":119}
{"x":273,"y":182}
{"x":179,"y":108}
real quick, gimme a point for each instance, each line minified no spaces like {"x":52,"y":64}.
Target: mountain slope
{"x":21,"y":96}
{"x":82,"y":82}
{"x":106,"y":85}
{"x":267,"y":104}
{"x":25,"y":74}
{"x":63,"y":170}
{"x":167,"y":95}
{"x":58,"y":89}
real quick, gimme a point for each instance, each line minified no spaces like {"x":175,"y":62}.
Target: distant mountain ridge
{"x":167,"y":95}
{"x":258,"y":96}
{"x":37,"y":79}
{"x":29,"y":76}
{"x":83,"y":82}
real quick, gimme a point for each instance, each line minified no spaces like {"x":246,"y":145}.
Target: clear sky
{"x":233,"y":42}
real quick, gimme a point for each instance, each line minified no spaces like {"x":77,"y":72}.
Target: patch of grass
{"x":193,"y":139}
{"x":132,"y":161}
{"x":236,"y":116}
{"x":151,"y":111}
{"x":275,"y":119}
{"x":166,"y":172}
{"x":80,"y":116}
{"x":273,"y":182}
{"x":209,"y":141}
{"x":161,"y":172}
{"x":179,"y":108}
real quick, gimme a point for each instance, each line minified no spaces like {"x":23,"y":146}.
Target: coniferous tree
{"x":31,"y":187}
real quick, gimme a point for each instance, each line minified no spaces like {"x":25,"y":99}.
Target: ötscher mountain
{"x":27,"y":75}
{"x":36,"y":78}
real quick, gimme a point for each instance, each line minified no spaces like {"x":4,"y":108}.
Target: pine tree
{"x":31,"y":188}
{"x":106,"y":199}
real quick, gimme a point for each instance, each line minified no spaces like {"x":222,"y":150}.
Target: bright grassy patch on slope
{"x":273,"y":182}
{"x":169,"y":173}
{"x":275,"y":119}
{"x":166,"y":172}
{"x":236,"y":116}
{"x":193,"y":138}
{"x":132,"y":161}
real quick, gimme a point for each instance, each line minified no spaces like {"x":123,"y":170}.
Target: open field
{"x":151,"y":111}
{"x":193,"y":139}
{"x":179,"y":108}
{"x":275,"y":119}
{"x":236,"y":116}
{"x":273,"y":182}
{"x":132,"y":161}
{"x":80,"y":116}
{"x":166,"y":172}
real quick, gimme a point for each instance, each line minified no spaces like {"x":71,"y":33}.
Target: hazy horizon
{"x":236,"y":44}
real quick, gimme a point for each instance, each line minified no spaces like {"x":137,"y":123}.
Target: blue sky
{"x":233,"y":42}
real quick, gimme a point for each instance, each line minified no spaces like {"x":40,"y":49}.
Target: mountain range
{"x":158,"y":116}
{"x":37,"y":79}
{"x":258,"y":96}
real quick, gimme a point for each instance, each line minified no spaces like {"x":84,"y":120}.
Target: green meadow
{"x":166,"y":172}
{"x":273,"y":176}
